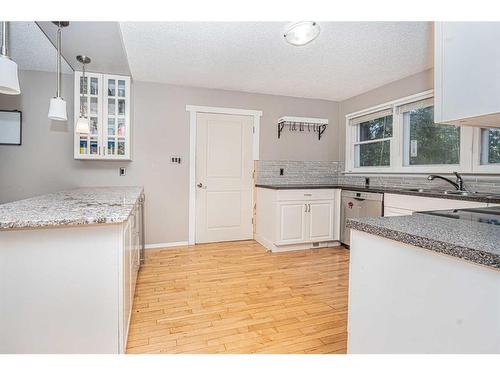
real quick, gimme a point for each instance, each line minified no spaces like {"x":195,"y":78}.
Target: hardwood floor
{"x":236,"y":297}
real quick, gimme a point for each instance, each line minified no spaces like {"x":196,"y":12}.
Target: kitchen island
{"x":68,"y":267}
{"x":425,"y":283}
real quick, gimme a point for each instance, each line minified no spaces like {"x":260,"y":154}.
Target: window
{"x":424,"y":142}
{"x":401,"y":137}
{"x":372,"y":146}
{"x":490,"y":146}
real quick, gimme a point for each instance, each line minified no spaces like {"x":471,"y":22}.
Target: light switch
{"x":175,"y":160}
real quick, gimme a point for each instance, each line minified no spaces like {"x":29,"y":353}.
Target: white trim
{"x":192,"y":178}
{"x":392,"y":103}
{"x":193,"y":111}
{"x":467,"y":139}
{"x":223,"y":110}
{"x":166,"y":244}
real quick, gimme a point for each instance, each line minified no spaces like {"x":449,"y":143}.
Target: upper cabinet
{"x":467,"y":73}
{"x":105,"y":99}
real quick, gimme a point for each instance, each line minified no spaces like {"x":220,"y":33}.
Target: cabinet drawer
{"x":305,"y":194}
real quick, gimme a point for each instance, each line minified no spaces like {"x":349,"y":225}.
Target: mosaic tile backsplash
{"x":331,"y":172}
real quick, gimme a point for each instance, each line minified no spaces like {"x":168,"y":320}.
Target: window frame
{"x":477,"y":167}
{"x":468,"y":147}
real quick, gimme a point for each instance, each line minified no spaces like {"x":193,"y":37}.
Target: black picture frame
{"x":20,"y":128}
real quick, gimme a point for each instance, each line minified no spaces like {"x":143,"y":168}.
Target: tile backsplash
{"x":331,"y":172}
{"x":297,"y":172}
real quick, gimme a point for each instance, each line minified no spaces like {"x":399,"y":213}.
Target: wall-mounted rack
{"x":302,"y":124}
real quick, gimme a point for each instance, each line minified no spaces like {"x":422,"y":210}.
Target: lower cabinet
{"x":401,"y":204}
{"x":131,"y":264}
{"x":295,"y":219}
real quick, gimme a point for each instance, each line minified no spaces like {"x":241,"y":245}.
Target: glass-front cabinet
{"x":105,"y":101}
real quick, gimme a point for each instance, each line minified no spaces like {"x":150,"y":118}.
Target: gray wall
{"x":44,"y":163}
{"x":398,"y":89}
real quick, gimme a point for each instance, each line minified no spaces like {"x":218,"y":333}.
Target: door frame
{"x":193,"y":112}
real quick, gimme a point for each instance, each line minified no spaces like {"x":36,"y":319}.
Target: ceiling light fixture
{"x":57,"y":109}
{"x":82,"y":125}
{"x":301,"y":33}
{"x":9,"y":80}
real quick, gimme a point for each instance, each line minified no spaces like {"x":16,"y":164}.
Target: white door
{"x":292,"y":223}
{"x":224,"y":167}
{"x":320,"y":221}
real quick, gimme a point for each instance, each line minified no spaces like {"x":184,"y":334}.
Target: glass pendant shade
{"x":57,"y":109}
{"x":82,"y":125}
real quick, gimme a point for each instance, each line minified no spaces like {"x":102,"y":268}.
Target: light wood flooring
{"x":236,"y":297}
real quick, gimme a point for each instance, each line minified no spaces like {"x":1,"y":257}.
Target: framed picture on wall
{"x":10,"y":127}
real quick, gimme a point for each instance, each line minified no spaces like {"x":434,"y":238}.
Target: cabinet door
{"x":467,"y":78}
{"x":116,"y":127}
{"x":291,"y":223}
{"x":88,"y":94}
{"x":392,"y":211}
{"x":127,"y":292}
{"x":320,"y":221}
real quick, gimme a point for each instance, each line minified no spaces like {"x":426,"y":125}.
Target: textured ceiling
{"x":348,"y":58}
{"x":31,"y":50}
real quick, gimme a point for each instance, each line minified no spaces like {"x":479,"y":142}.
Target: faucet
{"x":458,"y":185}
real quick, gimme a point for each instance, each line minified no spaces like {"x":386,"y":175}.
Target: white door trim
{"x":193,"y":111}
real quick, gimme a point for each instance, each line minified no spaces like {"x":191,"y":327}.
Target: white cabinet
{"x":320,"y":220}
{"x":131,"y":264}
{"x":295,"y":219}
{"x":105,"y":100}
{"x":292,"y":222}
{"x":401,"y":204}
{"x":466,"y":73}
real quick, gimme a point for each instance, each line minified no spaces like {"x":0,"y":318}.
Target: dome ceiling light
{"x":301,"y":33}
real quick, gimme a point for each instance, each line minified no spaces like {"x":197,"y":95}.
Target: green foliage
{"x":378,"y":153}
{"x":494,"y":146}
{"x":436,"y":143}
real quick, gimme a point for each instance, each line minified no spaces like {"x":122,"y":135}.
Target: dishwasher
{"x":357,"y":204}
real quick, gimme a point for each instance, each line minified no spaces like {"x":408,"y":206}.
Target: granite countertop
{"x":483,"y":197}
{"x":81,"y":206}
{"x":475,"y":242}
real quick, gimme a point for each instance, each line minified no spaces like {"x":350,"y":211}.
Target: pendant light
{"x":9,"y":80}
{"x":82,"y":125}
{"x":57,"y":109}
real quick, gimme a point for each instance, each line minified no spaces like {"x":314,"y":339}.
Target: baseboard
{"x":165,"y":244}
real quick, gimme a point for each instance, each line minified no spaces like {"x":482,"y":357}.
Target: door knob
{"x":200,"y":185}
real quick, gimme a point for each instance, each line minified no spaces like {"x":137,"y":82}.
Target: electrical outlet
{"x":123,"y":171}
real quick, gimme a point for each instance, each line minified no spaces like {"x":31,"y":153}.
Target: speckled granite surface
{"x":82,"y":206}
{"x":482,"y":197}
{"x":474,"y":242}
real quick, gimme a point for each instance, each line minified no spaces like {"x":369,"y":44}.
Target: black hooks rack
{"x":302,"y":124}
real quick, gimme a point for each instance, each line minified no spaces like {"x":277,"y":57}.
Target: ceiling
{"x":31,"y":50}
{"x":101,"y":41}
{"x":348,"y":58}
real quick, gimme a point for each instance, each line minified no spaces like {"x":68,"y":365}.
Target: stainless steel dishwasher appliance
{"x":357,"y":204}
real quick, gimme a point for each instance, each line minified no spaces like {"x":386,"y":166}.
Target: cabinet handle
{"x":305,"y":207}
{"x":309,"y":209}
{"x":307,"y":195}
